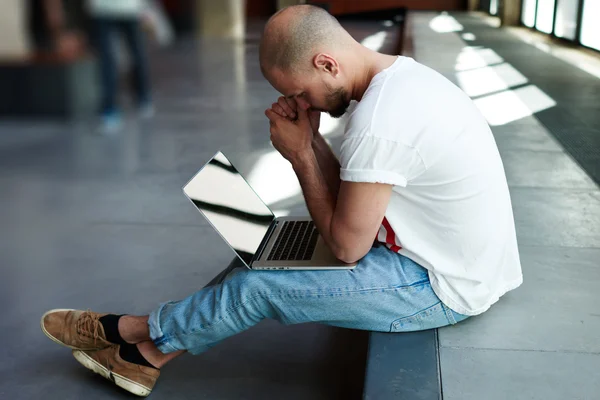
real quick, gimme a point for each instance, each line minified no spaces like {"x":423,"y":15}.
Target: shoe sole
{"x":119,"y":380}
{"x":55,"y":340}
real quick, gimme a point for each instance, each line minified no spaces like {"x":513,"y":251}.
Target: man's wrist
{"x":317,"y":140}
{"x":303,"y":159}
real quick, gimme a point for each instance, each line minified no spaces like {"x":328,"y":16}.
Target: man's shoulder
{"x":385,"y":107}
{"x":369,"y":108}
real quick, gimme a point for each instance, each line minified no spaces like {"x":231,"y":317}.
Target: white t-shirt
{"x":116,"y":8}
{"x":450,"y":209}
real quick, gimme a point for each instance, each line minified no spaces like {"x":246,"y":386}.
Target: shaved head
{"x":293,"y":35}
{"x":308,"y":57}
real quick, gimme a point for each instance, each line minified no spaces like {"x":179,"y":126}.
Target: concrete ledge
{"x":403,"y":366}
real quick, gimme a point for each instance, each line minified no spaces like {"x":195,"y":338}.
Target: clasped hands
{"x":293,"y":127}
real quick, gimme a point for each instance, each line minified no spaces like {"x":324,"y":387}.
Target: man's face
{"x":314,"y":89}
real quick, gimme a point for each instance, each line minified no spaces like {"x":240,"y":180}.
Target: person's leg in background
{"x":103,"y":32}
{"x":134,"y":38}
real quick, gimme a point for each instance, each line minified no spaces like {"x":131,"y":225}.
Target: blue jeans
{"x":104,"y":30}
{"x":386,"y":292}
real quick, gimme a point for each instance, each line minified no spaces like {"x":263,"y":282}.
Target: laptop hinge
{"x":264,"y":242}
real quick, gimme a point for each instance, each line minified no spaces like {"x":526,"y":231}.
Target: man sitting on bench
{"x":419,"y":172}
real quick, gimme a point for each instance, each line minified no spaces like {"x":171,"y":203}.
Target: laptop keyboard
{"x":296,"y":242}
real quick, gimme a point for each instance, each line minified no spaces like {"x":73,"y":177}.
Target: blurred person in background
{"x":58,"y":27}
{"x":108,"y":18}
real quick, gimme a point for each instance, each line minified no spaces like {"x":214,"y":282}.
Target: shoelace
{"x":88,"y":325}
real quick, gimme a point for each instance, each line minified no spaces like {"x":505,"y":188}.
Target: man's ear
{"x":326,"y":63}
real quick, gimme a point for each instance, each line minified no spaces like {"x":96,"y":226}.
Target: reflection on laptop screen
{"x":230,"y":205}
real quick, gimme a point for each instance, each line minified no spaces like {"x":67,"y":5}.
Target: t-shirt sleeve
{"x":373,"y":159}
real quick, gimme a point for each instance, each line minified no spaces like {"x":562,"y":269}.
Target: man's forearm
{"x":328,"y":163}
{"x":319,"y":198}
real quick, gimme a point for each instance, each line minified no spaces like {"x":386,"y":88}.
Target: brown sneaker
{"x":134,"y":378}
{"x":79,"y":330}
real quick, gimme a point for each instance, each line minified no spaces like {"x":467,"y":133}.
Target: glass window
{"x":590,"y":24}
{"x":566,"y":19}
{"x":494,"y":7}
{"x":528,"y":13}
{"x":545,"y":15}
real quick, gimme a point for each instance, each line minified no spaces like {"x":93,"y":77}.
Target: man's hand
{"x":288,"y":108}
{"x":69,"y":45}
{"x":293,"y":139}
{"x":315,"y":121}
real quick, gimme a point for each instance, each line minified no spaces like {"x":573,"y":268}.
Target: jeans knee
{"x":260,"y":294}
{"x":246,"y":282}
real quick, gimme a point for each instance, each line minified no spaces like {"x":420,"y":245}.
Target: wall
{"x":14,"y":42}
{"x":337,"y":7}
{"x":285,"y":3}
{"x":260,"y":8}
{"x":223,"y":18}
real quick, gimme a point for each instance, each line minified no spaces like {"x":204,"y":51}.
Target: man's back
{"x":450,"y":209}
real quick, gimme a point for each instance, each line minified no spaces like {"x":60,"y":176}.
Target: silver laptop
{"x":250,"y":228}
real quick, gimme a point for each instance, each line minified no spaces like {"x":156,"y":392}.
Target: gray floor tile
{"x":122,"y":267}
{"x":555,"y":309}
{"x":575,"y":92}
{"x":434,"y":45}
{"x":267,"y":362}
{"x":138,"y":199}
{"x":130,"y":268}
{"x":544,"y":169}
{"x":546,"y":217}
{"x":524,"y":134}
{"x":509,"y":375}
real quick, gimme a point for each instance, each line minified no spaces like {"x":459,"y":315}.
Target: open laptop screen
{"x":230,"y":205}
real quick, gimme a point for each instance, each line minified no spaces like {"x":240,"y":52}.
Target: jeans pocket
{"x":429,"y":318}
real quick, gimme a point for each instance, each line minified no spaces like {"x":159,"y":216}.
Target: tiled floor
{"x":540,"y":341}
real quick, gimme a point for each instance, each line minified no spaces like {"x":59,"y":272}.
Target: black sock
{"x":130,"y":353}
{"x":110,"y":323}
